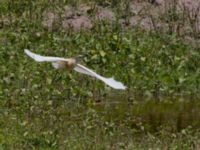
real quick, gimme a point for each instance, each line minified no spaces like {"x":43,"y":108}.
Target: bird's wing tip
{"x":28,"y":52}
{"x":122,"y":87}
{"x":117,"y":85}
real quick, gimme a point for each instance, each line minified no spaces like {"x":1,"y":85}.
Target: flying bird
{"x":72,"y":64}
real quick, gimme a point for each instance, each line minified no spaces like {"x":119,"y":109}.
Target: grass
{"x":65,"y":125}
{"x":43,"y":108}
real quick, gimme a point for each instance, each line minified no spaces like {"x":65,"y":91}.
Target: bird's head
{"x":79,"y":57}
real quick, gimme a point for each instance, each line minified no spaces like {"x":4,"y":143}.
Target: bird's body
{"x":65,"y":65}
{"x":72,"y":64}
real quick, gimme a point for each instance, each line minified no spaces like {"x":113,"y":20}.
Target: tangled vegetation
{"x":50,"y":109}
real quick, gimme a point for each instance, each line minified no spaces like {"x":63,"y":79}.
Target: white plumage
{"x":71,"y":63}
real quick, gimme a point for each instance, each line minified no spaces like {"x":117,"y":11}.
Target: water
{"x":152,"y":114}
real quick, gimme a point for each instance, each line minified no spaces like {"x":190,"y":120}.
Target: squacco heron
{"x":72,"y":63}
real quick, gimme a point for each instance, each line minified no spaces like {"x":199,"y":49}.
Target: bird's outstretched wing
{"x":109,"y":81}
{"x":40,"y":58}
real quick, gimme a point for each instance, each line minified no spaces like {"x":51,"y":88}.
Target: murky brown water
{"x":152,"y":114}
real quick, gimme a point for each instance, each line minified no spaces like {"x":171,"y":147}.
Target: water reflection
{"x":152,"y":114}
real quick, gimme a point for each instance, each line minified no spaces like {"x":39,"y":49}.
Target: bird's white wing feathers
{"x":40,"y":58}
{"x":109,"y":81}
{"x":82,"y":69}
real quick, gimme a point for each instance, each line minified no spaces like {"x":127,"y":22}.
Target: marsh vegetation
{"x":150,"y":46}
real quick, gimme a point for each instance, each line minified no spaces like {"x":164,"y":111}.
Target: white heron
{"x":72,"y":63}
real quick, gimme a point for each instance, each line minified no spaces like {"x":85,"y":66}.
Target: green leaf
{"x":102,"y":53}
